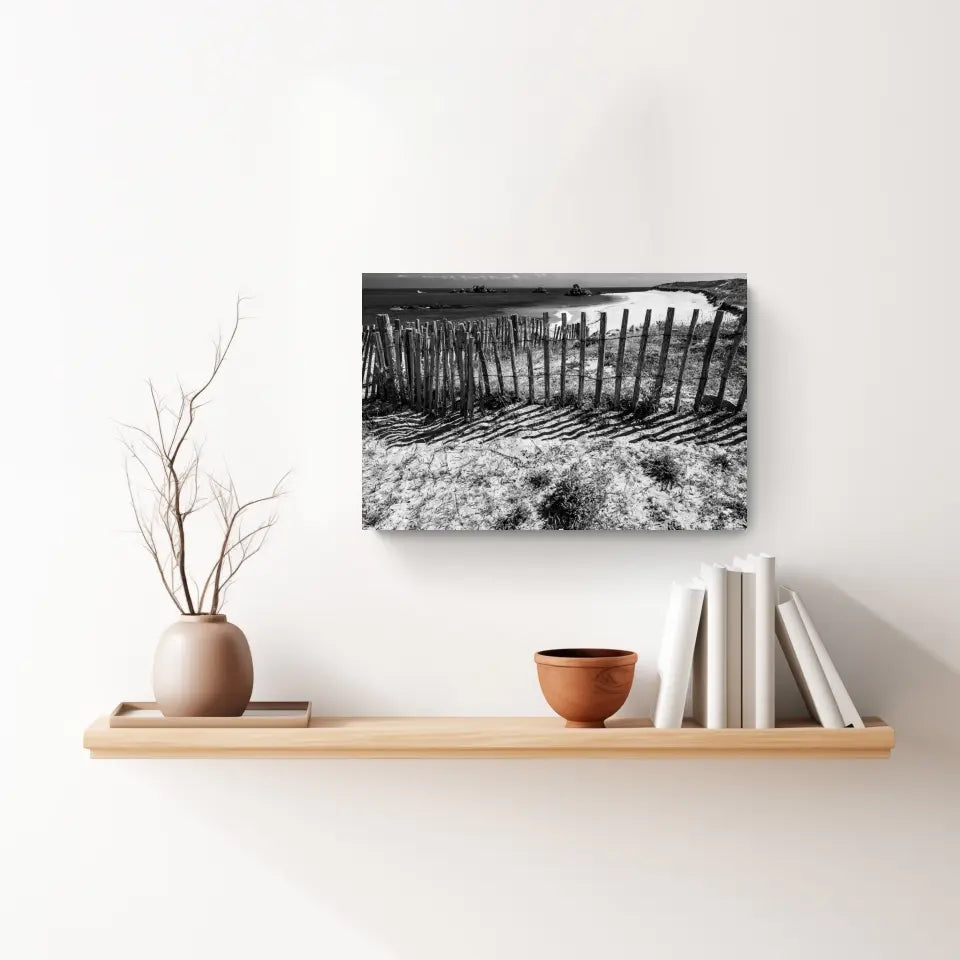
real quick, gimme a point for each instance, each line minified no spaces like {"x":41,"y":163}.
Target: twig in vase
{"x":166,"y":457}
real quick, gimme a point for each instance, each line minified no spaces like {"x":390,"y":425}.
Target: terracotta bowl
{"x":585,"y":685}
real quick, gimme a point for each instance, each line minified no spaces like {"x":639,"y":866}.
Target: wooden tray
{"x":260,"y":713}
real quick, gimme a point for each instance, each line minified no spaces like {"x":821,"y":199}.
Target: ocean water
{"x":637,"y":302}
{"x":461,"y":307}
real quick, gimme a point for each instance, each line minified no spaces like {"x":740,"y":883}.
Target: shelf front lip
{"x":484,"y":738}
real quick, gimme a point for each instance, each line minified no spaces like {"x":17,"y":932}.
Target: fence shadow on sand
{"x":404,"y":427}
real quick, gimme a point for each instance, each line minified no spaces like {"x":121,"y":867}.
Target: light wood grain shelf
{"x":486,"y":737}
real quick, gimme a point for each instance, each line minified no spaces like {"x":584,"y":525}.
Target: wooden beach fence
{"x":440,"y":367}
{"x":683,"y":359}
{"x":707,"y":356}
{"x":644,"y":336}
{"x":563,"y":359}
{"x":618,"y":376}
{"x":601,"y":351}
{"x":583,"y":357}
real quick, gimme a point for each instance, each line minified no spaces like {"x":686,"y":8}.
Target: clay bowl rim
{"x":585,"y":657}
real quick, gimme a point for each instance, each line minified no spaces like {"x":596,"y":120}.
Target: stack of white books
{"x":721,"y":630}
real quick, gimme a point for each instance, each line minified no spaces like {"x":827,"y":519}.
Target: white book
{"x":710,"y":655}
{"x":758,"y":619}
{"x":748,"y":643}
{"x":849,"y":713}
{"x":734,"y":580}
{"x":765,"y":566}
{"x":676,"y":654}
{"x":806,"y":667}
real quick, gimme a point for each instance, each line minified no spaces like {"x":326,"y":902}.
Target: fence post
{"x":662,"y":365}
{"x":513,"y":356}
{"x":428,"y":367}
{"x":376,"y":374}
{"x":683,"y":358}
{"x":452,"y":361}
{"x":423,"y":337}
{"x":563,"y":359}
{"x":496,"y":362}
{"x":444,"y":374}
{"x":583,"y":356}
{"x":708,"y":354}
{"x":601,"y":351}
{"x":413,"y":352}
{"x":546,"y":358}
{"x":620,"y":348}
{"x":370,"y":380}
{"x":530,"y":395}
{"x":401,"y":379}
{"x":456,"y":359}
{"x":471,"y":382}
{"x":473,"y":336}
{"x":731,"y":356}
{"x":365,"y":361}
{"x":417,"y":381}
{"x":743,"y":396}
{"x":425,"y":347}
{"x":407,"y":339}
{"x":441,"y":368}
{"x":460,"y":347}
{"x":387,"y":344}
{"x":485,"y":374}
{"x":435,"y":370}
{"x":643,"y":350}
{"x":437,"y":366}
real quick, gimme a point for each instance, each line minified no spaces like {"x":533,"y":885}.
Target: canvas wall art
{"x":533,"y":401}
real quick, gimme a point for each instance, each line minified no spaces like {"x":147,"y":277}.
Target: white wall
{"x":159,"y":157}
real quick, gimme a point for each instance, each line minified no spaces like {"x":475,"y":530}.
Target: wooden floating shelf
{"x":485,"y":737}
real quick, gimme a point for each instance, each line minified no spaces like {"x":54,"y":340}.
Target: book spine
{"x":734,"y":580}
{"x":676,"y":655}
{"x":715,"y":599}
{"x":766,"y":603}
{"x":806,"y":667}
{"x":701,"y":692}
{"x":748,"y":666}
{"x":848,"y":711}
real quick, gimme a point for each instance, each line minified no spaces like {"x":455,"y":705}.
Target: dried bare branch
{"x":146,"y":532}
{"x":231,"y":514}
{"x":176,"y":493}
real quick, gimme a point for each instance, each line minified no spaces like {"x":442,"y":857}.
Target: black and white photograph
{"x":554,"y":401}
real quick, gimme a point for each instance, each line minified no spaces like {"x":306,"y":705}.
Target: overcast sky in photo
{"x":446,"y":280}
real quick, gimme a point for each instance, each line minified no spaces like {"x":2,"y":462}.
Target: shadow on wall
{"x":886,"y":673}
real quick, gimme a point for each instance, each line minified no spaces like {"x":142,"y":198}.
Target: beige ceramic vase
{"x":202,"y":668}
